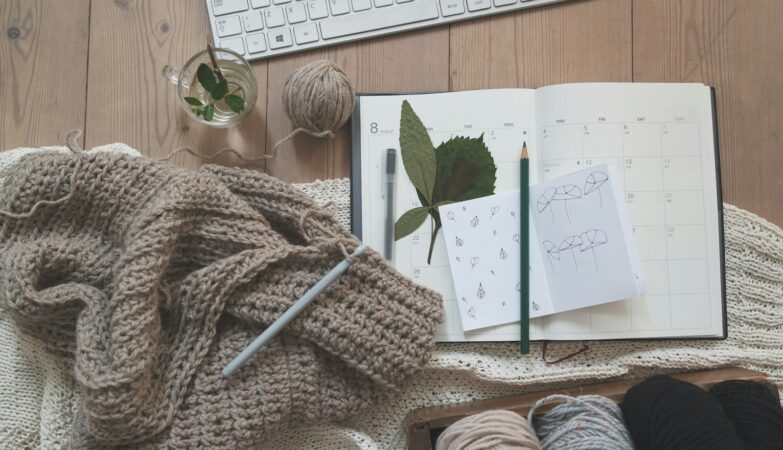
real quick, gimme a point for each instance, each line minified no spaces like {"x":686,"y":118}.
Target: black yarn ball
{"x":667,"y":414}
{"x":756,"y":413}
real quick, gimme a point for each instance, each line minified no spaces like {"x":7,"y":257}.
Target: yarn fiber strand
{"x":319,"y":99}
{"x":150,"y":278}
{"x":663,"y":413}
{"x":587,"y":422}
{"x":489,"y":430}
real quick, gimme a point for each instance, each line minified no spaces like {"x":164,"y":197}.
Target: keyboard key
{"x":280,"y":2}
{"x":228,"y":26}
{"x":452,"y":7}
{"x":404,"y":1}
{"x":280,"y":39}
{"x":361,"y":5}
{"x":382,"y":3}
{"x":505,"y":2}
{"x":220,"y":7}
{"x":305,"y":34}
{"x":476,"y":5}
{"x":317,"y":9}
{"x":274,"y":17}
{"x":235,"y":44}
{"x":256,"y":43}
{"x":339,"y":7}
{"x":259,"y":3}
{"x":296,"y":13}
{"x":417,"y":11}
{"x":253,"y":20}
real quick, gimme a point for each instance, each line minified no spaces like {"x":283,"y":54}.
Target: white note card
{"x":582,"y":249}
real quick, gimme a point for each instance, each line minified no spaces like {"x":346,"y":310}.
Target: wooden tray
{"x":424,"y":425}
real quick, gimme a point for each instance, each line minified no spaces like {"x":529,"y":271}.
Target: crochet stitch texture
{"x":150,"y":278}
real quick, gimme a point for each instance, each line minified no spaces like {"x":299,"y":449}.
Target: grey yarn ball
{"x":319,"y":98}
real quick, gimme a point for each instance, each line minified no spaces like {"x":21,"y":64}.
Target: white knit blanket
{"x":38,"y":400}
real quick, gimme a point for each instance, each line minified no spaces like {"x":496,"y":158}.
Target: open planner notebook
{"x":661,"y":141}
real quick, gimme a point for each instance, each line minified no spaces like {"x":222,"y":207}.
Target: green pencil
{"x":524,"y":242}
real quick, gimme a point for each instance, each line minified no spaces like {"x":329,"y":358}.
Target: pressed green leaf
{"x":209,"y":112}
{"x":409,"y":222}
{"x":465,"y":170}
{"x":220,"y":89}
{"x":418,"y":154}
{"x":193,"y":101}
{"x":206,"y":77}
{"x":236,"y":103}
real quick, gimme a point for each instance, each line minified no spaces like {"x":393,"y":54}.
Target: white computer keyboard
{"x":264,"y":28}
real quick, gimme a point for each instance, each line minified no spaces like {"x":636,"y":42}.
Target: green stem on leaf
{"x":435,"y":230}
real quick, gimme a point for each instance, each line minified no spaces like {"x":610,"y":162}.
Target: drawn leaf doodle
{"x":474,"y":262}
{"x":472,"y":312}
{"x":450,"y":215}
{"x":545,"y":199}
{"x":493,"y":211}
{"x":515,"y":237}
{"x":535,"y":307}
{"x":503,"y":254}
{"x":594,"y":182}
{"x":570,"y":243}
{"x":592,"y":239}
{"x":459,"y":241}
{"x":474,"y":221}
{"x":481,"y":293}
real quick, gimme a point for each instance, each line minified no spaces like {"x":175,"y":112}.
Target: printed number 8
{"x":374,"y":127}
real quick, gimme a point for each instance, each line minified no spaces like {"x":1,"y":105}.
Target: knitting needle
{"x":291,"y":313}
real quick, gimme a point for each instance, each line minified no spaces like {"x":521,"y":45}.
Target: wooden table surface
{"x":95,"y":65}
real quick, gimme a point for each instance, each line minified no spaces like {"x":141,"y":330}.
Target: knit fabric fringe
{"x":39,"y":405}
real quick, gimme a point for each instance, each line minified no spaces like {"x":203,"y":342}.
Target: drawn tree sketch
{"x":594,"y":182}
{"x":503,"y":254}
{"x":545,"y":202}
{"x":559,"y":194}
{"x":592,"y":239}
{"x":552,"y":253}
{"x":481,"y":293}
{"x":566,"y":193}
{"x":570,"y":243}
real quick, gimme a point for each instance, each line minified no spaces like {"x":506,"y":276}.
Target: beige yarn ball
{"x":489,"y":430}
{"x":319,"y":99}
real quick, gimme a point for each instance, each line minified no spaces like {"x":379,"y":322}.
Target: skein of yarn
{"x":588,"y":422}
{"x":667,"y":414}
{"x":489,"y":430}
{"x":319,"y":99}
{"x":755,"y":412}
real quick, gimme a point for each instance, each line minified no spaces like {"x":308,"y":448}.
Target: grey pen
{"x":391,"y":168}
{"x":291,"y":313}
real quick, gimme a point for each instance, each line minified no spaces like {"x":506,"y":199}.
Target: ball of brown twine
{"x":319,"y":99}
{"x":494,"y":429}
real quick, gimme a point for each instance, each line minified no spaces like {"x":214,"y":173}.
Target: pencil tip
{"x":524,"y":151}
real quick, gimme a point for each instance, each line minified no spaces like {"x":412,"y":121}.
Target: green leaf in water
{"x":235,"y":102}
{"x":209,"y":112}
{"x":193,"y":101}
{"x":206,"y":77}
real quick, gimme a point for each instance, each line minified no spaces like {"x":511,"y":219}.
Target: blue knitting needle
{"x":291,"y":313}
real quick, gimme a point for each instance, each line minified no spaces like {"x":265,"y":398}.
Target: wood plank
{"x":737,"y":47}
{"x":568,"y":42}
{"x":43,"y":70}
{"x":408,"y":62}
{"x":129,"y":101}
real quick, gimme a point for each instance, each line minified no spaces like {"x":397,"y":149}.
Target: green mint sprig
{"x":218,"y":90}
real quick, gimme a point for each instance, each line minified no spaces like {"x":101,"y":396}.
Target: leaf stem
{"x":212,"y":58}
{"x":435,"y":230}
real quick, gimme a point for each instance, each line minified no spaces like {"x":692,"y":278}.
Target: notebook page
{"x":484,"y":249}
{"x":660,"y":137}
{"x":504,"y":116}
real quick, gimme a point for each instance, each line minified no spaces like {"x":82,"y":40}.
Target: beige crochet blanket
{"x":37,"y":400}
